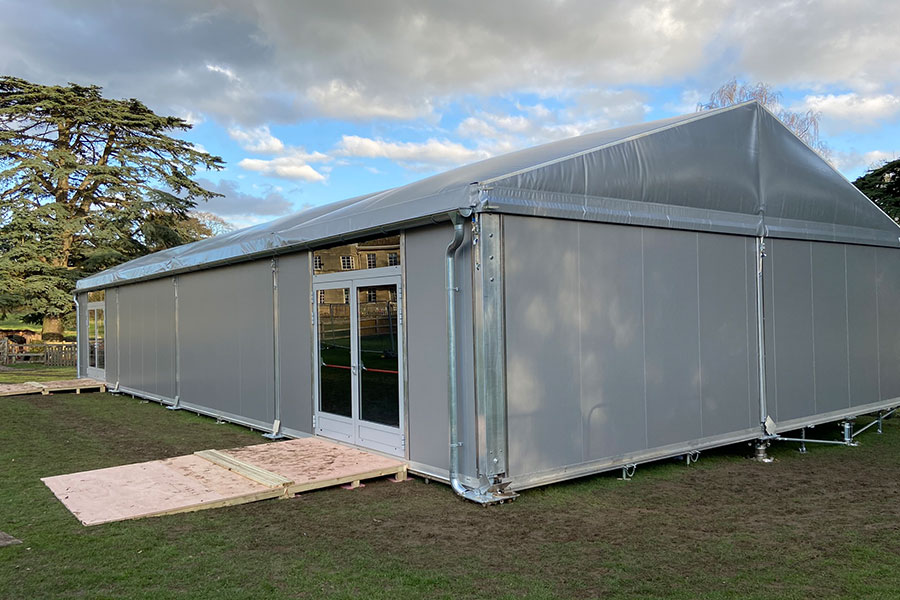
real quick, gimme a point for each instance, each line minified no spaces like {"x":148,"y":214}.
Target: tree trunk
{"x":52,"y":329}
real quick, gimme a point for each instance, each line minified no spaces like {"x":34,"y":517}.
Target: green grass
{"x":820,"y":525}
{"x":20,"y":373}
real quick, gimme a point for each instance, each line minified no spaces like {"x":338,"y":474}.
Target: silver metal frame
{"x":96,"y":372}
{"x":177,"y":404}
{"x":354,"y":280}
{"x":77,"y":336}
{"x":490,"y":347}
{"x":276,"y":424}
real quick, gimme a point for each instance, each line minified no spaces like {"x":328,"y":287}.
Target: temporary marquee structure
{"x":584,"y":305}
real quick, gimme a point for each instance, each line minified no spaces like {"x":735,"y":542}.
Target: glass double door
{"x":96,"y":348}
{"x":359,"y":379}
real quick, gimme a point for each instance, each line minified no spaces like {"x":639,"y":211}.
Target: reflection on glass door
{"x":335,"y":376}
{"x":96,"y":354}
{"x":378,"y":355}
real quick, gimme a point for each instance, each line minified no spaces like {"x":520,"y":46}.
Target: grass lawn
{"x":21,"y":373}
{"x":821,"y":525}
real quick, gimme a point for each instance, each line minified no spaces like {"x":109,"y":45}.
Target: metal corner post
{"x":489,"y":492}
{"x":490,"y":347}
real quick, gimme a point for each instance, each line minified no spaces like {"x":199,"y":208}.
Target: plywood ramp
{"x":214,"y":478}
{"x":48,"y":387}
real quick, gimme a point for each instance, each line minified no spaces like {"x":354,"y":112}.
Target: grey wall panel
{"x":612,"y":341}
{"x":790,"y":312}
{"x":750,"y":285}
{"x":672,"y":341}
{"x":888,"y":277}
{"x":110,"y":341}
{"x":226,"y":336}
{"x":830,"y":335}
{"x":543,"y":346}
{"x":728,"y":370}
{"x":426,"y":331}
{"x":295,"y":342}
{"x":147,"y":337}
{"x":862,"y":319}
{"x":624,"y":339}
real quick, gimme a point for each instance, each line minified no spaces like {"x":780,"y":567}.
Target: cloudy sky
{"x":311,"y":102}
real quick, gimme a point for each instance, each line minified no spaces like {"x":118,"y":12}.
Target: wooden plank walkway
{"x":214,"y":478}
{"x":49,"y":387}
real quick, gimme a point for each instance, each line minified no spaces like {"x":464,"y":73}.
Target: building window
{"x":346,"y":296}
{"x":370,"y":261}
{"x":321,"y":296}
{"x":347,"y":263}
{"x":371,"y":296}
{"x":393,"y":259}
{"x":317,"y":262}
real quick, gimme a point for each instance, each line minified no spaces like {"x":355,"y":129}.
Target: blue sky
{"x":314,"y":102}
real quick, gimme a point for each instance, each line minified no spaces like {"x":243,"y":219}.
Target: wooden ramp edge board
{"x":398,"y":471}
{"x":252,"y":472}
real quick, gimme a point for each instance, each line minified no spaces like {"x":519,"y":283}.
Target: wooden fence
{"x":61,"y":354}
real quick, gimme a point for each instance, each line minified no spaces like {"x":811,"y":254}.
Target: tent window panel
{"x":366,"y":254}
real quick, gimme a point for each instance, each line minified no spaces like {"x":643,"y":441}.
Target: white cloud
{"x":589,"y":110}
{"x":223,"y":71}
{"x":266,"y":62}
{"x":852,"y":108}
{"x":235,"y":203}
{"x":337,"y":99}
{"x":853,"y":161}
{"x":432,"y":152}
{"x":687,"y":102}
{"x":258,"y":139}
{"x":287,"y":167}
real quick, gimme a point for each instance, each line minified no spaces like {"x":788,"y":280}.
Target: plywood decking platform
{"x":214,"y":478}
{"x":49,"y":387}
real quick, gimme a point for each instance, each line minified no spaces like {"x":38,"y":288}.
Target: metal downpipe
{"x":479,"y":496}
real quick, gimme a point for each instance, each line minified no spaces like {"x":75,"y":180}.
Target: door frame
{"x":354,"y":430}
{"x":95,"y":372}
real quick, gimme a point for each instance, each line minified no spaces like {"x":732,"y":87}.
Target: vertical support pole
{"x":490,"y":347}
{"x":276,"y":425}
{"x":803,"y":441}
{"x":119,"y":347}
{"x":177,"y":404}
{"x":880,"y":421}
{"x":77,"y":336}
{"x":761,"y":333}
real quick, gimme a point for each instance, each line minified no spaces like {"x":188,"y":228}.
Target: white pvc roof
{"x":734,"y":170}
